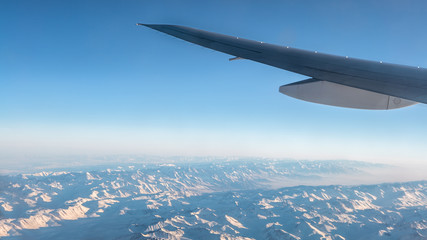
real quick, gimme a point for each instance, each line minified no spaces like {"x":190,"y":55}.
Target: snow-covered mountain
{"x":219,"y":200}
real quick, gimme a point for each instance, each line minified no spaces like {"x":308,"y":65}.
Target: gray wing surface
{"x":384,"y":82}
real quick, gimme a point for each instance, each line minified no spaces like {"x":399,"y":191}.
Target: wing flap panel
{"x":329,"y":93}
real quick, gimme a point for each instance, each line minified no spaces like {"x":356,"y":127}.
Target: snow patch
{"x":7,"y":207}
{"x":234,"y":222}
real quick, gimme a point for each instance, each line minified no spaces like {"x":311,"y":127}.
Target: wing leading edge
{"x":383,"y":82}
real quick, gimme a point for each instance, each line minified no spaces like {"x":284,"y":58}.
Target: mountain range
{"x":238,"y":199}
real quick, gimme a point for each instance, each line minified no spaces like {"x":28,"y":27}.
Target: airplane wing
{"x":335,"y":80}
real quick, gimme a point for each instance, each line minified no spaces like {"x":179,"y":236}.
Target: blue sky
{"x":79,"y":77}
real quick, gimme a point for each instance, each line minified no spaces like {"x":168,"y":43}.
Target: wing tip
{"x":153,"y":26}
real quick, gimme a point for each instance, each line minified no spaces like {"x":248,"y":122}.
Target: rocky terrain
{"x":256,"y":199}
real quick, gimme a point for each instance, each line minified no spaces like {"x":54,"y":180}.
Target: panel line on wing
{"x":210,"y":40}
